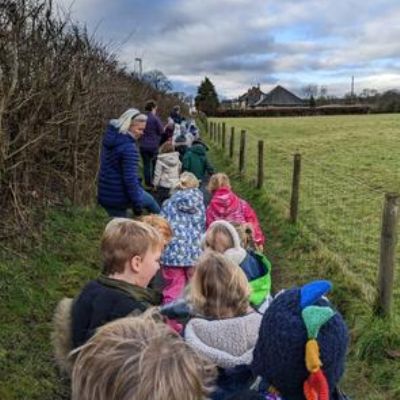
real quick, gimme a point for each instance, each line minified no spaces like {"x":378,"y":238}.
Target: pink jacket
{"x":229,"y":207}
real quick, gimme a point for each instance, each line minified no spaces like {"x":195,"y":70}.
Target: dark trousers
{"x":161,"y":194}
{"x":149,"y":158}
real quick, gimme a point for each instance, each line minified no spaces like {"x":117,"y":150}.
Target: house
{"x":279,"y":97}
{"x":251,"y":97}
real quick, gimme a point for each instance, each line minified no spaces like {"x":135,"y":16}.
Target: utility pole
{"x":138,"y":62}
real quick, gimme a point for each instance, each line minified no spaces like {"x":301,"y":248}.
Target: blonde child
{"x":185,"y":213}
{"x":227,"y":329}
{"x":167,"y":170}
{"x":226,"y":205}
{"x":130,"y":252}
{"x":140,"y":358}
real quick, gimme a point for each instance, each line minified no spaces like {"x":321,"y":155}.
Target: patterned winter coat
{"x":186,"y":214}
{"x":228,"y":206}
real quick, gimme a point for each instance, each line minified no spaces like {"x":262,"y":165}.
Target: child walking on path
{"x":186,"y":214}
{"x":166,"y":175}
{"x":222,"y":237}
{"x":226,"y":330}
{"x":226,"y":205}
{"x":130,"y":252}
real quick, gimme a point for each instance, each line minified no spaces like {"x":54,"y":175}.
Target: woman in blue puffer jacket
{"x":119,"y":186}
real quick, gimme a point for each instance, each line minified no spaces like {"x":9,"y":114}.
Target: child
{"x":166,"y":174}
{"x":222,"y":237}
{"x":164,"y":229}
{"x":195,"y":161}
{"x":140,"y":358}
{"x":228,"y":206}
{"x":301,"y":350}
{"x":227,"y":329}
{"x":185,"y":212}
{"x":130,"y":252}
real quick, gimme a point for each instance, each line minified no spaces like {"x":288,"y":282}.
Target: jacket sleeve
{"x":251,"y":217}
{"x":157,"y":174}
{"x":209,"y":216}
{"x":160,"y":129}
{"x":130,"y":162}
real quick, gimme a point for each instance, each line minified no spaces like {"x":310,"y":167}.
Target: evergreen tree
{"x":207,"y":98}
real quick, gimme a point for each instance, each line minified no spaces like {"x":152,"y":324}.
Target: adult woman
{"x":119,"y":186}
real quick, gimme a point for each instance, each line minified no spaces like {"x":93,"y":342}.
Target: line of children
{"x":230,"y":348}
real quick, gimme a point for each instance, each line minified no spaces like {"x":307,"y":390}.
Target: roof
{"x":279,"y":96}
{"x":252,"y":96}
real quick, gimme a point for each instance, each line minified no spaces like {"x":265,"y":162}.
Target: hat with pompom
{"x":302,"y":344}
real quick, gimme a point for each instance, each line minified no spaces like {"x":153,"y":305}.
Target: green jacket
{"x":195,"y":161}
{"x":260,"y":286}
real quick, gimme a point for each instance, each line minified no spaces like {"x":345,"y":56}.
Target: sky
{"x":241,"y":43}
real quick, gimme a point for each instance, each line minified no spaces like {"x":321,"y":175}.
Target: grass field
{"x":298,"y":256}
{"x":348,"y":163}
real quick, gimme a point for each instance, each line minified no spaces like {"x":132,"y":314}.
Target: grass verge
{"x":31,"y":284}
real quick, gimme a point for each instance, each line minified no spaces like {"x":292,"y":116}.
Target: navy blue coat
{"x":119,"y":185}
{"x":152,"y":133}
{"x":98,"y":304}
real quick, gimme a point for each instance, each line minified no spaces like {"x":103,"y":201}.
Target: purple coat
{"x":152,"y":133}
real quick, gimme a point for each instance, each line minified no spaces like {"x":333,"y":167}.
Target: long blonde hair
{"x":137,"y":358}
{"x":219,"y":288}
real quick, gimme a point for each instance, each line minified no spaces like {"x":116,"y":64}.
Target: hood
{"x":224,"y":201}
{"x":114,"y":138}
{"x":198,"y":149}
{"x":169,"y":159}
{"x":188,"y":201}
{"x":227,"y":342}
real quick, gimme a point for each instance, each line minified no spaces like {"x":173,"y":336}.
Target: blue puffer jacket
{"x":119,"y":185}
{"x":152,"y":133}
{"x":186,"y":214}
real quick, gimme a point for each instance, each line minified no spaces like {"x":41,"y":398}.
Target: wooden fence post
{"x":211,"y":130}
{"x":232,"y":142}
{"x":294,"y":200}
{"x":242,"y":151}
{"x":260,"y":165}
{"x":214,"y":131}
{"x":387,"y":260}
{"x":219,"y":133}
{"x":223,"y":135}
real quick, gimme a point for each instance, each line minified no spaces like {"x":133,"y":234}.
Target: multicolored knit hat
{"x":302,"y":344}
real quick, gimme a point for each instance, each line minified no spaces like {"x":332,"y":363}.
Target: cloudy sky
{"x":239,"y":43}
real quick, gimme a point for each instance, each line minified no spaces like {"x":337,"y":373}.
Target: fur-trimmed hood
{"x":227,"y":342}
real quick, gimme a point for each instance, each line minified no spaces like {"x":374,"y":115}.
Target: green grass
{"x":348,"y":163}
{"x":298,"y":255}
{"x":31,"y":284}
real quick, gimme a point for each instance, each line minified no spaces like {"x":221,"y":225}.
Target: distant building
{"x":251,"y":97}
{"x":279,"y":97}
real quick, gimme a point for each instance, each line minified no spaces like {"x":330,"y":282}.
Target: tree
{"x":158,"y":80}
{"x":310,"y":90}
{"x":207,"y":98}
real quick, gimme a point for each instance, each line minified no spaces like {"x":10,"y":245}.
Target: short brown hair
{"x":160,"y":224}
{"x":124,"y":239}
{"x":138,"y":358}
{"x":150,"y":105}
{"x":167,"y":147}
{"x":218,"y":181}
{"x":219,"y":288}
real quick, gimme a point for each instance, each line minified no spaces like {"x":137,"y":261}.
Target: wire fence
{"x":344,"y":212}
